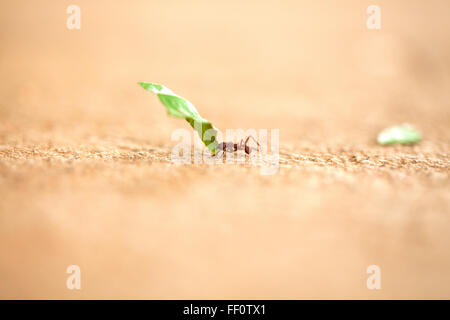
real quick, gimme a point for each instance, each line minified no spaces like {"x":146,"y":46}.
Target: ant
{"x":232,"y":147}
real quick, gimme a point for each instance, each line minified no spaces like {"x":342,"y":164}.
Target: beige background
{"x":85,"y":176}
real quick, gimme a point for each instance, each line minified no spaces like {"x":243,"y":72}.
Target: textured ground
{"x":86,"y":177}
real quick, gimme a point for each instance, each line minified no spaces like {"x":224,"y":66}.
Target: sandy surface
{"x":86,"y":176}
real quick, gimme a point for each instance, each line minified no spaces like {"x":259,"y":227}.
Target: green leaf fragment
{"x":181,"y":108}
{"x":403,"y":134}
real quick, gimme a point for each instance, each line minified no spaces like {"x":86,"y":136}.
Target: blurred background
{"x":85,"y":177}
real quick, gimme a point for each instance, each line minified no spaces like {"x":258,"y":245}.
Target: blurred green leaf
{"x":403,"y":134}
{"x":181,"y":108}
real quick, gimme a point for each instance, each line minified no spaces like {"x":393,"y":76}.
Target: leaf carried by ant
{"x":181,"y":108}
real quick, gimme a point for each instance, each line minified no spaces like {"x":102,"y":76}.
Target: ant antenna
{"x":253,"y":140}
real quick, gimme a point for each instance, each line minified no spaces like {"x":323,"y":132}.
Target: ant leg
{"x":221,"y":148}
{"x":241,"y":144}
